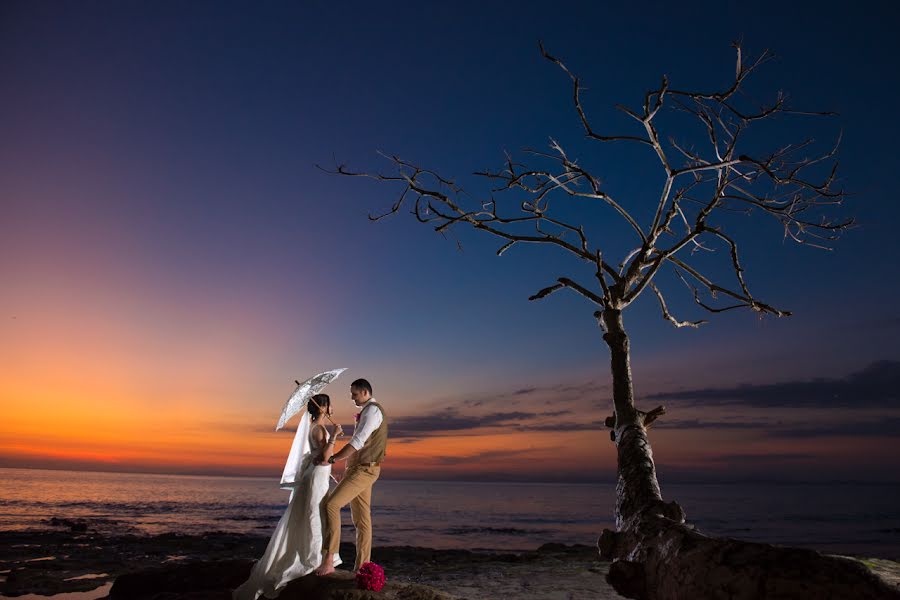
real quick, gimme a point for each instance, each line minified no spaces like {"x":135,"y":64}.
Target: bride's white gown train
{"x":295,"y":548}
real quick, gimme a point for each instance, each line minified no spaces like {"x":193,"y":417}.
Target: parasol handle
{"x":316,"y":404}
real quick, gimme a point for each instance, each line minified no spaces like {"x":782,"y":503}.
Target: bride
{"x":295,"y":549}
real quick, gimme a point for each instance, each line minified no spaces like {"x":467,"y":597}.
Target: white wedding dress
{"x":295,"y":549}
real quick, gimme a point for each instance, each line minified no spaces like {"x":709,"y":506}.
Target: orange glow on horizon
{"x":116,"y":376}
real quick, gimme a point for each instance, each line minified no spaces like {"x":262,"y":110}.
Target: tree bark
{"x":636,"y":485}
{"x":657,"y":556}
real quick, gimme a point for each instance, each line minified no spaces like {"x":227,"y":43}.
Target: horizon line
{"x":675,"y":480}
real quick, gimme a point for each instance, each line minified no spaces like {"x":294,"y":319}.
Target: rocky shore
{"x":77,"y":558}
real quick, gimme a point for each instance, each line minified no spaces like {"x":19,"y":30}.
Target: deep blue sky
{"x":157,"y":164}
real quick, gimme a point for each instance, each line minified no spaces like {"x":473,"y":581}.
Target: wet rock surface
{"x":206,"y":567}
{"x":66,"y":560}
{"x":176,"y":566}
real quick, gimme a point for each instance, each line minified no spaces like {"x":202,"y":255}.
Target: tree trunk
{"x":636,"y":485}
{"x":657,"y":556}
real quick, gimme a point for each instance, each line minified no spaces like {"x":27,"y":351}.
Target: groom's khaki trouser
{"x":355,"y":488}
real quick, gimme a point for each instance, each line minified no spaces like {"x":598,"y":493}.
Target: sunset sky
{"x":172,"y":259}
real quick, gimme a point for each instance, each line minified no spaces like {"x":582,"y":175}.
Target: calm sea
{"x":859,"y":519}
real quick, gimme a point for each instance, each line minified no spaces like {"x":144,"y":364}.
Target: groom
{"x":364,"y":453}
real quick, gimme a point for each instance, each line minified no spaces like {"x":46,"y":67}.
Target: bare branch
{"x":667,"y":316}
{"x":568,"y":283}
{"x":717,"y":171}
{"x":581,"y":114}
{"x":736,"y":263}
{"x":746,"y":301}
{"x":546,"y":292}
{"x":648,"y":418}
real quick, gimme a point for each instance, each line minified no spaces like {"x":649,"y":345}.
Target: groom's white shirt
{"x":369,"y":421}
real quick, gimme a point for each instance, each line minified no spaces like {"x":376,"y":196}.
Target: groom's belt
{"x":368,"y":464}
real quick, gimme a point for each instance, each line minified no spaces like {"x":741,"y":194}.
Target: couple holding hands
{"x":308,"y":535}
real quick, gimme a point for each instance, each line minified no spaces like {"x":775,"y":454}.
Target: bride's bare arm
{"x":328,"y":450}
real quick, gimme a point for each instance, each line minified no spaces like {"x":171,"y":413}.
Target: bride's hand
{"x":338,"y":431}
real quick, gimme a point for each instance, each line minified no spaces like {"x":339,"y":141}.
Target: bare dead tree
{"x":656,"y":553}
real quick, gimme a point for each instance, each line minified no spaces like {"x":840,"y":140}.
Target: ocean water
{"x":861,"y":519}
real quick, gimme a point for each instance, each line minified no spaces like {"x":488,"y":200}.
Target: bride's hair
{"x":323,"y":400}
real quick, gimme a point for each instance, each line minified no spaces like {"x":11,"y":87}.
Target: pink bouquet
{"x":370,"y":577}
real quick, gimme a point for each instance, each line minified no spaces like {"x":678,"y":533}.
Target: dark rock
{"x":342,"y":586}
{"x":567,"y":549}
{"x":628,"y":578}
{"x":75,"y":526}
{"x":176,"y":566}
{"x":181,"y":579}
{"x":216,"y":580}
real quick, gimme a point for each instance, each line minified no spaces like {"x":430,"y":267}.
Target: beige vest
{"x":373,"y":450}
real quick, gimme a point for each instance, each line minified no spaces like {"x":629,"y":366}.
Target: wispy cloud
{"x":481,"y":456}
{"x":869,"y":427}
{"x":559,"y":393}
{"x":449,"y":421}
{"x":556,"y":426}
{"x":711,"y":424}
{"x":883,"y":427}
{"x":876,"y":385}
{"x":454,"y":420}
